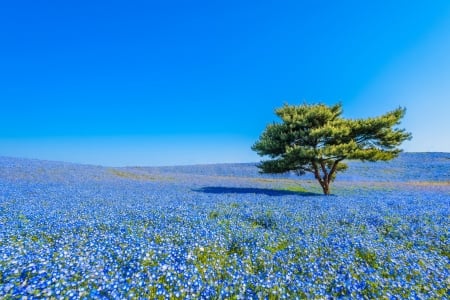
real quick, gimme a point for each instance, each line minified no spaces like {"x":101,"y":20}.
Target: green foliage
{"x":236,"y":245}
{"x":213,"y":215}
{"x":367,"y":256}
{"x":316,"y":139}
{"x":265,"y":220}
{"x":279,"y":246}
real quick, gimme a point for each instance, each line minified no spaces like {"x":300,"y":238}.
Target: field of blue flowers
{"x":224,"y":232}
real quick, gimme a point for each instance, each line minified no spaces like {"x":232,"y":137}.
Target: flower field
{"x":224,"y":232}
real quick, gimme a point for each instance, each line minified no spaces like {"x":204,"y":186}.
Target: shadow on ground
{"x":245,"y":190}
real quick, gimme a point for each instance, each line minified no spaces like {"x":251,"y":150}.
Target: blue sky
{"x":184,"y":82}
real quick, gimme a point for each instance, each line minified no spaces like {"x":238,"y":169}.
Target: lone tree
{"x":316,"y":139}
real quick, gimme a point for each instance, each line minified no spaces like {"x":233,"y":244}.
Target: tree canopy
{"x":316,"y":138}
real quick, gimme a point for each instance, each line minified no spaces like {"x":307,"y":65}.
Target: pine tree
{"x":317,"y":139}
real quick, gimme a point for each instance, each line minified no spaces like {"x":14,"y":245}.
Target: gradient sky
{"x":183,"y":82}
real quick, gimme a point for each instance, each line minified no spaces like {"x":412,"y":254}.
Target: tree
{"x":317,"y":139}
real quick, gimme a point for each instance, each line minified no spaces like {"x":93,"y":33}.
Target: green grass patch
{"x":136,"y":176}
{"x":295,"y":189}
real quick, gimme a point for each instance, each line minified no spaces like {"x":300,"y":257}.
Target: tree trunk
{"x":325,"y":181}
{"x":326,"y":188}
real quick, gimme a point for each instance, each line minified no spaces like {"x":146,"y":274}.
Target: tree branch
{"x":333,"y":169}
{"x":316,"y":172}
{"x":324,"y":170}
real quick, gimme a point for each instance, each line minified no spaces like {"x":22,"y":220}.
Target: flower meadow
{"x":224,"y":232}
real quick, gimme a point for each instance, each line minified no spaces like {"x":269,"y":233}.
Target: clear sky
{"x":183,"y":82}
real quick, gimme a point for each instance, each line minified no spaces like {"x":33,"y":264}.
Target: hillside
{"x":407,"y":167}
{"x":223,"y":231}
